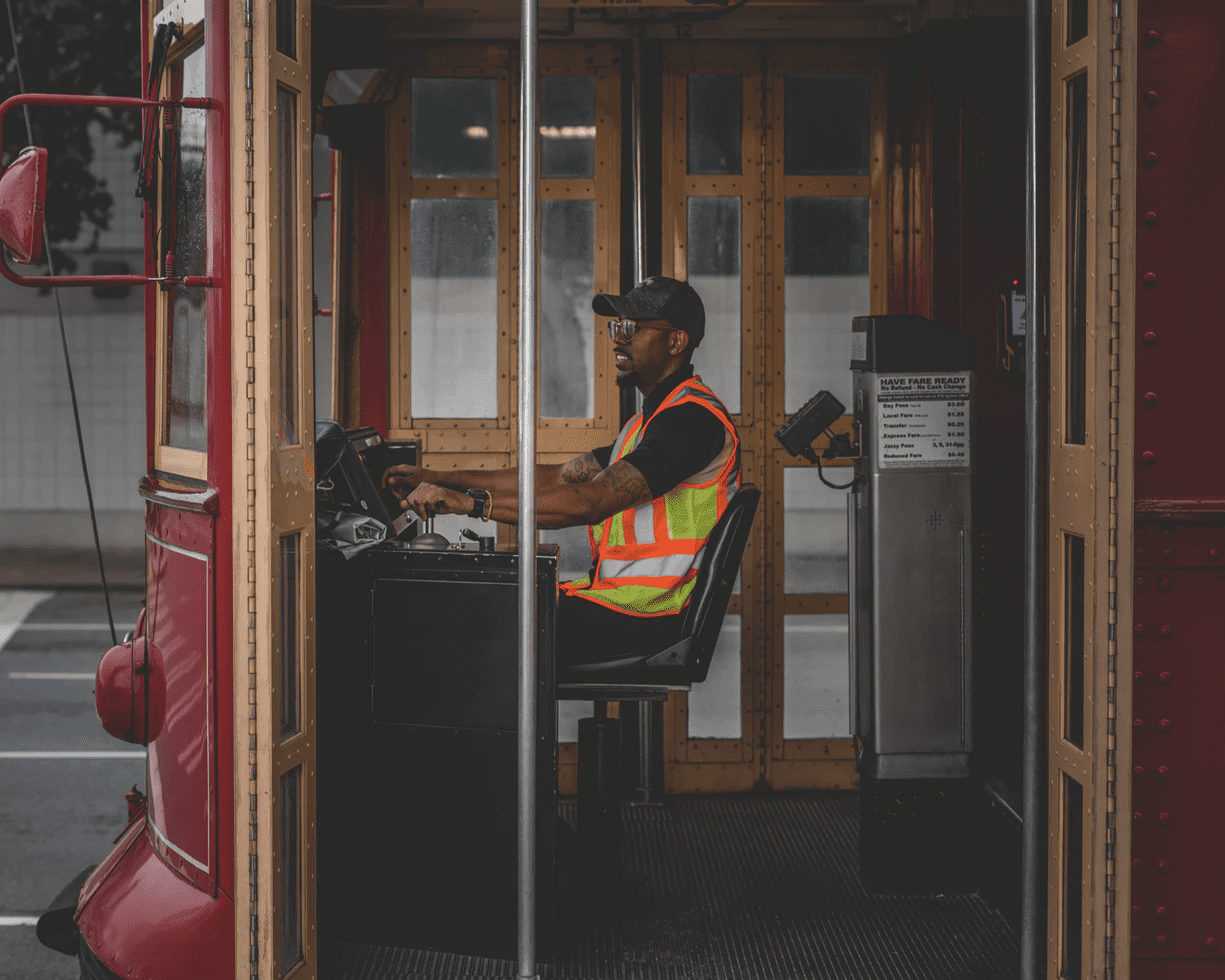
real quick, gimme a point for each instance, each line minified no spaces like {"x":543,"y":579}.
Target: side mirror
{"x":23,"y":192}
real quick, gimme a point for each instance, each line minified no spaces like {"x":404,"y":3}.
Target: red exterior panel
{"x":1178,"y":743}
{"x":1180,"y":210}
{"x":1178,"y":735}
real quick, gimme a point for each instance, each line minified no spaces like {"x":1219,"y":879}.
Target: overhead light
{"x":568,"y":132}
{"x":477,"y":133}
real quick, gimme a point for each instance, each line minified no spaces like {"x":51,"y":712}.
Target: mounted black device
{"x":349,"y":467}
{"x":815,"y":418}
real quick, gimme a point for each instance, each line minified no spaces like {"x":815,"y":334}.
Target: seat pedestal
{"x":599,"y":790}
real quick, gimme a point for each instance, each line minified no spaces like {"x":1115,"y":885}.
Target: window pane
{"x":1073,"y":853}
{"x":814,"y":531}
{"x":1075,"y":258}
{"x":1074,"y":639}
{"x":826,"y":286}
{"x":826,"y":124}
{"x":1078,"y":20}
{"x":455,"y":127}
{"x":290,"y":675}
{"x":186,"y":399}
{"x":575,"y":559}
{"x":291,"y":869}
{"x":286,"y":28}
{"x":287,"y":265}
{"x":714,"y":705}
{"x":567,"y":127}
{"x":816,"y":677}
{"x":713,"y":269}
{"x":714,"y":124}
{"x":454,"y":308}
{"x":567,"y":325}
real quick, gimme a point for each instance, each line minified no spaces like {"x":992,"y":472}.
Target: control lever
{"x":485,"y":544}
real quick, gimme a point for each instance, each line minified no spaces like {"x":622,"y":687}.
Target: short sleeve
{"x":679,"y":442}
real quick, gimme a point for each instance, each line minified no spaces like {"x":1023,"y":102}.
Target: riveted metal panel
{"x":1178,"y":739}
{"x":1180,"y":206}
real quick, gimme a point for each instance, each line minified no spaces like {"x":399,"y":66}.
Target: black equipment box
{"x":417,"y":708}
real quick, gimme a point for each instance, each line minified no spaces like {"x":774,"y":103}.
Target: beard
{"x":627,"y":379}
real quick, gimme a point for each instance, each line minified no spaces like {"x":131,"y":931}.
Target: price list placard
{"x":923,"y":420}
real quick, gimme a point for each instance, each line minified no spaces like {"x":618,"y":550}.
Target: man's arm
{"x":404,"y":479}
{"x":613,"y":490}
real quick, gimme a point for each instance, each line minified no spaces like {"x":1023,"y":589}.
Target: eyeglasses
{"x":622,"y":331}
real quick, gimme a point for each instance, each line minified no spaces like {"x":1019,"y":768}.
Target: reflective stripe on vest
{"x":646,"y":558}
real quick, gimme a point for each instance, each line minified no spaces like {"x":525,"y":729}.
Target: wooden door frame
{"x":1091,"y":495}
{"x":715,"y":765}
{"x":276,"y":499}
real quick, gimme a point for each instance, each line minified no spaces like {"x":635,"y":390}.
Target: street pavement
{"x":58,"y":814}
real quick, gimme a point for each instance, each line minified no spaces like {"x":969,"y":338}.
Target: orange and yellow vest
{"x":645,"y":559}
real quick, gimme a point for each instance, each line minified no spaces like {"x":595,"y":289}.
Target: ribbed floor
{"x":741,"y":889}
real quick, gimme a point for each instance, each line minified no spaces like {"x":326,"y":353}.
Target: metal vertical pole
{"x":645,"y":734}
{"x":529,"y":74}
{"x":1033,"y":749}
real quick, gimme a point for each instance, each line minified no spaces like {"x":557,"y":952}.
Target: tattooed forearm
{"x":626,"y":483}
{"x":581,"y":469}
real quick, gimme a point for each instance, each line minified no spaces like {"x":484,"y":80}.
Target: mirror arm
{"x":99,"y":102}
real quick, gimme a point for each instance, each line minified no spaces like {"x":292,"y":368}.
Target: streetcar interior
{"x":849,"y":160}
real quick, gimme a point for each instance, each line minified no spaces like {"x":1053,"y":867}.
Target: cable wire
{"x":59,"y":309}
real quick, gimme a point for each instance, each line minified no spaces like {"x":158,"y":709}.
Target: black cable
{"x":832,"y":486}
{"x":72,"y":389}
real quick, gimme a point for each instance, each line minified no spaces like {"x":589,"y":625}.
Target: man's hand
{"x":428,"y":500}
{"x":403,"y":480}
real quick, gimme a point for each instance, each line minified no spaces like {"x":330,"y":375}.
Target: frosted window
{"x":575,"y":559}
{"x":713,"y":126}
{"x":568,"y":715}
{"x":713,"y":269}
{"x":567,"y":325}
{"x":826,"y":121}
{"x":715,"y":704}
{"x":814,"y":531}
{"x":454,"y":308}
{"x":826,"y":287}
{"x":816,"y":677}
{"x":454,"y":127}
{"x":567,"y":127}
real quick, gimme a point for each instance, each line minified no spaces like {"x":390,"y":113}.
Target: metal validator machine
{"x":910,"y":600}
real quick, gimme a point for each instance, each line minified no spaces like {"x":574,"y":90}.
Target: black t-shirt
{"x":680,"y":442}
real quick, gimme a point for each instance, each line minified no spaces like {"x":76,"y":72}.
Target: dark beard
{"x":627,"y":379}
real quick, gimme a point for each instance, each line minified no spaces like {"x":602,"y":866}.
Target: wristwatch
{"x":482,"y":504}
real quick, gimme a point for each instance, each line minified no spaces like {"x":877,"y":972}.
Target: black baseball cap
{"x":658,"y":298}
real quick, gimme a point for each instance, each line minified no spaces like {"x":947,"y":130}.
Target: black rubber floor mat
{"x":737,"y":889}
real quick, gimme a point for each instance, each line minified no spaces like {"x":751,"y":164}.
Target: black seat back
{"x":716,"y":578}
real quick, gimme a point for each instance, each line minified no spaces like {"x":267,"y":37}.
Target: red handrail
{"x":98,"y":102}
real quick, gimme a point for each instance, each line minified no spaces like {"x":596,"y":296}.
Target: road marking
{"x":32,"y":675}
{"x":15,"y":606}
{"x":18,"y":920}
{"x":74,"y":628}
{"x":110,"y":754}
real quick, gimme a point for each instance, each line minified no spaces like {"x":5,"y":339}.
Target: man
{"x":650,"y":500}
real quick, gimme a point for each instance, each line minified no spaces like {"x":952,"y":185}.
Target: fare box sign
{"x":923,"y":420}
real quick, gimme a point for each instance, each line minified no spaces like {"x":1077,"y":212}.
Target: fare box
{"x":923,"y":420}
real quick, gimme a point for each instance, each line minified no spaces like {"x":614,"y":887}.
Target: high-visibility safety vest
{"x":645,"y":559}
